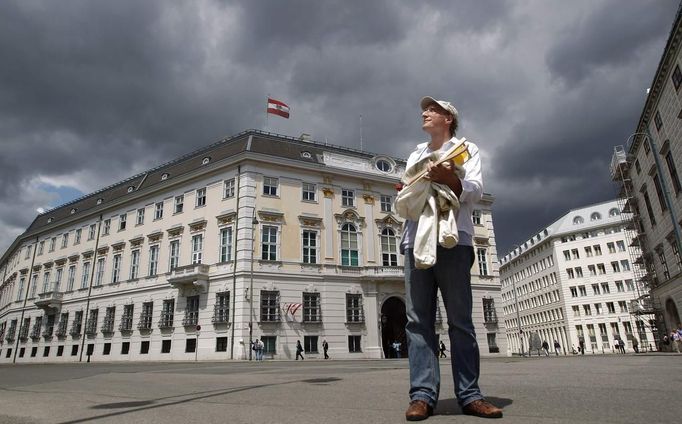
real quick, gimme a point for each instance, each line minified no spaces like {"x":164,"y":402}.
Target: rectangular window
{"x":166,"y":346}
{"x":482,"y":256}
{"x":106,"y":349}
{"x":582,"y":290}
{"x":107,"y":227}
{"x":309,"y":247}
{"x":153,"y":260}
{"x":221,"y":344}
{"x":595,"y":289}
{"x":197,"y":248}
{"x":575,"y":253}
{"x":567,"y":255}
{"x":610,"y":307}
{"x":269,"y":243}
{"x":125,"y":348}
{"x":354,"y":344}
{"x":77,"y":323}
{"x":179,"y":203}
{"x":623,"y":306}
{"x":664,"y":264}
{"x":134,"y":263}
{"x":270,"y":344}
{"x":116,"y":269}
{"x":65,"y":240}
{"x":46,"y":282}
{"x":587,"y":309}
{"x":611,"y":247}
{"x":489,"y":313}
{"x":167,"y":313}
{"x":619,"y":287}
{"x":174,"y":254}
{"x":630,"y":285}
{"x":312,"y":307}
{"x":592,"y":270}
{"x":158,"y":210}
{"x":625,"y":265}
{"x":226,"y":244}
{"x":308,"y":192}
{"x":597,"y":250}
{"x":269,"y":306}
{"x":476,"y":217}
{"x":579,"y":272}
{"x":20,"y":289}
{"x":270,"y":186}
{"x":91,"y":323}
{"x":386,"y":202}
{"x":41,"y":246}
{"x":91,"y":232}
{"x":649,"y":209}
{"x":74,"y":350}
{"x":140,"y":217}
{"x":347,"y":198}
{"x":77,"y":239}
{"x":576,"y":310}
{"x":34,"y":285}
{"x":121,"y":222}
{"x":659,"y":193}
{"x":191,"y":311}
{"x":605,"y":288}
{"x":601,"y":268}
{"x":85,"y":278}
{"x":221,"y":309}
{"x":677,"y":77}
{"x":588,"y":251}
{"x":597,"y":308}
{"x":109,"y":320}
{"x":574,"y":292}
{"x":615,"y":267}
{"x":389,"y":248}
{"x":228,"y":188}
{"x":71,"y":280}
{"x":146,"y":316}
{"x":99,"y":274}
{"x":354,"y":310}
{"x":676,"y":253}
{"x":672,"y":169}
{"x":200,"y":197}
{"x":127,"y":318}
{"x":58,"y":280}
{"x":310,"y":344}
{"x":53,"y":242}
{"x":658,"y":121}
{"x":621,"y":245}
{"x":569,"y":272}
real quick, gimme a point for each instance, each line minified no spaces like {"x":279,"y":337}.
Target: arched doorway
{"x":393,"y":320}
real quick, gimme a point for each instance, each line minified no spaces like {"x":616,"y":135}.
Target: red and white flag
{"x":278,"y":108}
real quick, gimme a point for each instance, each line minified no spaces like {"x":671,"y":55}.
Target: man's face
{"x":435,"y":119}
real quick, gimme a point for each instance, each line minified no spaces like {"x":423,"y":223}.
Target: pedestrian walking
{"x":635,"y":344}
{"x":325,"y":348}
{"x":545,"y":347}
{"x":677,"y":337}
{"x":299,"y":350}
{"x":581,"y":345}
{"x":431,"y":266}
{"x":442,"y":350}
{"x":396,"y":348}
{"x":621,"y":345}
{"x":557,"y":347}
{"x":260,"y":347}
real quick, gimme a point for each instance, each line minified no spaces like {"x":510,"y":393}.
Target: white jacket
{"x":434,"y":206}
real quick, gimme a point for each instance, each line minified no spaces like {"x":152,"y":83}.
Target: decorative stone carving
{"x":102,"y":250}
{"x":197,"y":225}
{"x":155,"y":236}
{"x":226,"y":218}
{"x":388,"y":221}
{"x":175,"y":231}
{"x":349,"y":215}
{"x":328,"y":192}
{"x":268,"y":216}
{"x":310,"y":221}
{"x":118,"y":246}
{"x":136,"y":241}
{"x":369,"y":199}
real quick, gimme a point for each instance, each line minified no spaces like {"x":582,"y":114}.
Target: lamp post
{"x":516,"y":305}
{"x":254,"y":222}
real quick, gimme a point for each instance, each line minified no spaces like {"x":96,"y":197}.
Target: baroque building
{"x":258,"y":236}
{"x":645,"y":170}
{"x":574,"y":280}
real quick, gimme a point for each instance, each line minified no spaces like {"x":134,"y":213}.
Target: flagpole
{"x":360,"y":131}
{"x":267,"y":102}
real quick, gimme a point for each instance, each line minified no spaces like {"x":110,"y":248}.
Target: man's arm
{"x":470,"y":189}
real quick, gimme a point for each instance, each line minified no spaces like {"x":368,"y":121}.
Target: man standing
{"x":451,"y":274}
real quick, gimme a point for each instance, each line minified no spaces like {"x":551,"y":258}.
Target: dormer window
{"x":73,"y":211}
{"x":205,"y":160}
{"x":99,"y":201}
{"x":131,"y":189}
{"x":164,"y":176}
{"x":384,"y":165}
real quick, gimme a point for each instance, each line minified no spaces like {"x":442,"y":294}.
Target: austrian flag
{"x":278,"y":108}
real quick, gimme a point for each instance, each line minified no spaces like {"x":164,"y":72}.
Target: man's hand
{"x":444,"y":174}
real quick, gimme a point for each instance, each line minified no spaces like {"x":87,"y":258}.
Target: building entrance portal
{"x":393,"y":320}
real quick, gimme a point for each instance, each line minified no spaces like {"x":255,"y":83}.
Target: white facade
{"x":647,"y":170}
{"x":276,"y":238}
{"x":574,"y":279}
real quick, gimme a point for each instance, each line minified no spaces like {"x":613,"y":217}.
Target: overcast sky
{"x":92,"y":92}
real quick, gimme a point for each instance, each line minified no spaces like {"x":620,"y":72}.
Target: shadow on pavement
{"x":450,"y":406}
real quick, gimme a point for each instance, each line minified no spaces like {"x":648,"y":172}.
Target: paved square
{"x":574,"y":389}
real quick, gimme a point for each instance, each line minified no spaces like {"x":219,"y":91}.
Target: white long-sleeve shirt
{"x":472,"y":191}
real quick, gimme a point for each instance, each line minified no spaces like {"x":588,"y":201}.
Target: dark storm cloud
{"x":612,"y":35}
{"x":92,"y":92}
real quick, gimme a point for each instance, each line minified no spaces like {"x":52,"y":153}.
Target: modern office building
{"x":256,"y":236}
{"x":645,"y":169}
{"x":574,"y":280}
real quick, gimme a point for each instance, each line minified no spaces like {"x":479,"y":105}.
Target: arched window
{"x":614,"y":212}
{"x":578,"y":220}
{"x":349,"y":245}
{"x":389,"y":252}
{"x":595,"y":216}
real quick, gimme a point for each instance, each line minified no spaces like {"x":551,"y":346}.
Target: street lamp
{"x":254,"y":222}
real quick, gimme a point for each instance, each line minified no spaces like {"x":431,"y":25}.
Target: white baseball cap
{"x":426,"y":101}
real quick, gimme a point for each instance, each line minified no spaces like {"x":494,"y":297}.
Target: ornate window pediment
{"x":155,"y":236}
{"x":226,"y":218}
{"x":74,"y":258}
{"x":175,"y":231}
{"x":310,"y":221}
{"x":88,"y":254}
{"x":102,"y":250}
{"x":118,"y":246}
{"x":389,"y":221}
{"x":197,"y":226}
{"x":136,"y":241}
{"x":349,"y":215}
{"x":271,"y":217}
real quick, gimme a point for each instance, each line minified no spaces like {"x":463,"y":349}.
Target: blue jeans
{"x":452,"y":274}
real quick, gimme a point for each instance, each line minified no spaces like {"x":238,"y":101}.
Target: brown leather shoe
{"x":482,"y":408}
{"x":418,"y":410}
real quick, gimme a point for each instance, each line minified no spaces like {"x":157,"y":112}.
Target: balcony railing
{"x":196,"y":275}
{"x":126,"y":324}
{"x":49,"y":330}
{"x":75,"y":330}
{"x":49,"y":300}
{"x":166,"y":321}
{"x":191,"y":319}
{"x":107,"y":326}
{"x":10,"y":335}
{"x":145,"y":322}
{"x":61,"y":330}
